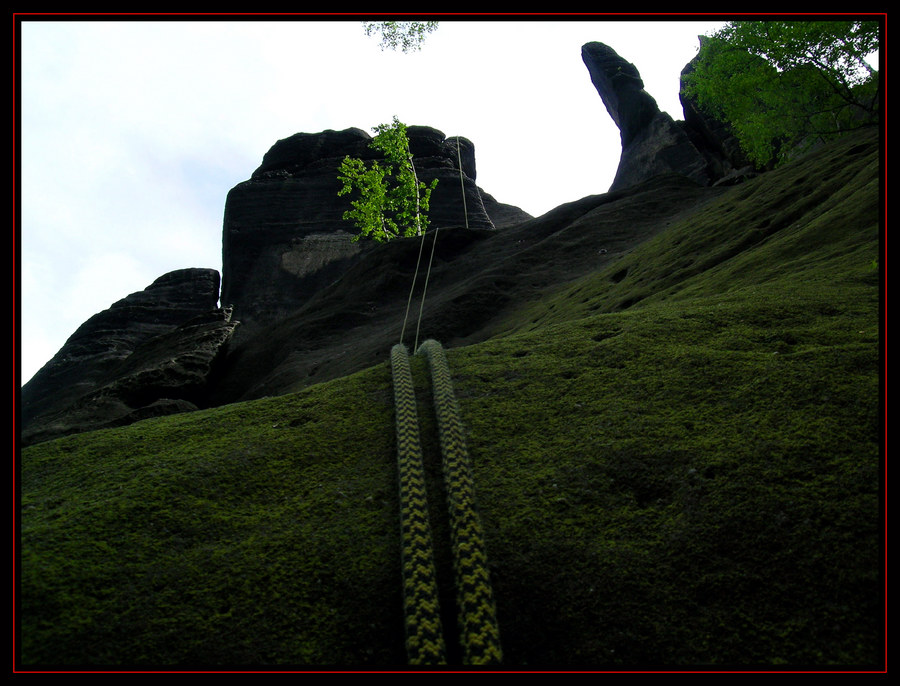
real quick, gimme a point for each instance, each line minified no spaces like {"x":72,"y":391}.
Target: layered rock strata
{"x":150,"y":353}
{"x":302,"y":287}
{"x":284,"y":235}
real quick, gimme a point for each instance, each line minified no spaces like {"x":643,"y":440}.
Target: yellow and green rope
{"x":476,"y":610}
{"x":424,"y":636}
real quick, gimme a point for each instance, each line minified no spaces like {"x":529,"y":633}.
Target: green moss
{"x":701,"y":491}
{"x":691,"y":479}
{"x":219,"y":537}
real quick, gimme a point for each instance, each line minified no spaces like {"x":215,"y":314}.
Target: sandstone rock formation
{"x":652,"y":142}
{"x":150,"y":353}
{"x":284,"y":235}
{"x":284,"y":241}
{"x":313,"y":304}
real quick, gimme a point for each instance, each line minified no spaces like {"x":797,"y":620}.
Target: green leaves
{"x":391,"y":201}
{"x":837,"y":48}
{"x":783,"y":86}
{"x":406,"y":35}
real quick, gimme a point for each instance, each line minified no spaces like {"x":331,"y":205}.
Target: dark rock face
{"x":478,"y":278}
{"x":314,"y":304}
{"x":150,"y":353}
{"x":652,"y":142}
{"x":713,"y":138}
{"x":284,"y":234}
{"x":162,"y":350}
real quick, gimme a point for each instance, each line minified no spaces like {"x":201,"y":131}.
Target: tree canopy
{"x":406,"y":35}
{"x":784,"y":85}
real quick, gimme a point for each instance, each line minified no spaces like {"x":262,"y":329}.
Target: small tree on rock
{"x":391,"y":201}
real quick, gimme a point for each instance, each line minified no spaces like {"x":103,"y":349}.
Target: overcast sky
{"x":132,"y":133}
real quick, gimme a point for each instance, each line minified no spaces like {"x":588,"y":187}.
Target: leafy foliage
{"x":783,"y":85}
{"x":392,"y":201}
{"x":406,"y":35}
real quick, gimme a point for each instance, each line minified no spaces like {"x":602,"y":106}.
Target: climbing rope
{"x":412,"y":288}
{"x":425,"y":287}
{"x":462,"y":187}
{"x":477,"y":614}
{"x":476,"y":611}
{"x":424,"y":636}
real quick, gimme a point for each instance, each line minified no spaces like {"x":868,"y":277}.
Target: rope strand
{"x":477,"y":613}
{"x":411,"y":289}
{"x":425,"y":288}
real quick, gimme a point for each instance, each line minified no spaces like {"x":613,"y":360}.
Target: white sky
{"x":132,"y":133}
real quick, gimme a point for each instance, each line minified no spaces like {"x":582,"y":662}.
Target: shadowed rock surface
{"x":315,"y":305}
{"x":652,"y":142}
{"x":284,"y":243}
{"x":673,"y":406}
{"x":284,"y":234}
{"x":477,"y":277}
{"x":714,"y":139}
{"x":150,"y":353}
{"x":677,"y":456}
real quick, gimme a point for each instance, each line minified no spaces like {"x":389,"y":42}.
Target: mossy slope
{"x":677,"y":461}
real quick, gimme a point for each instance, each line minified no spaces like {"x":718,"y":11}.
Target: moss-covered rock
{"x":676,"y":458}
